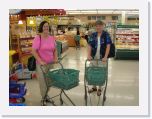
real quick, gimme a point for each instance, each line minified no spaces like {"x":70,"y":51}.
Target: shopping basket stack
{"x":64,"y":78}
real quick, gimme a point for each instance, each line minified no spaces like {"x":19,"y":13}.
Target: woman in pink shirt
{"x":45,"y":52}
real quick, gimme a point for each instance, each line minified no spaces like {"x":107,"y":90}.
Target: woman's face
{"x":46,"y":28}
{"x":99,"y":28}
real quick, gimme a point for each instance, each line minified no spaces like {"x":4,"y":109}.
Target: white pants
{"x":41,"y":78}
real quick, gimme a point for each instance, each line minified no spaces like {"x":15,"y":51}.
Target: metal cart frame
{"x":62,"y":92}
{"x":86,"y":85}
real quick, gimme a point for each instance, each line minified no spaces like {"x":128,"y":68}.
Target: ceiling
{"x":102,"y":11}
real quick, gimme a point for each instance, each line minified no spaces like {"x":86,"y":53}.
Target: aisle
{"x":122,"y":90}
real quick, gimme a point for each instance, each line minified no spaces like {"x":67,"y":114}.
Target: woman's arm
{"x":35,"y":54}
{"x":106,"y":53}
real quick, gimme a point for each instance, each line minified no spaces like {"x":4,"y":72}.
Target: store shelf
{"x":25,"y":48}
{"x":127,"y":26}
{"x":26,"y":53}
{"x":29,"y":38}
{"x":127,"y":42}
{"x":127,"y":34}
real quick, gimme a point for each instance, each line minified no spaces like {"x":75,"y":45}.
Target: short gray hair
{"x":99,"y":23}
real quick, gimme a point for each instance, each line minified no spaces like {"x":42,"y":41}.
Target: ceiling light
{"x":20,"y":22}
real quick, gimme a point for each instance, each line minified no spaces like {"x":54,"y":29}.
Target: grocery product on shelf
{"x":25,"y":45}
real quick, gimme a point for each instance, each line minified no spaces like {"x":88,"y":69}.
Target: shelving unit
{"x":25,"y":48}
{"x":127,"y":42}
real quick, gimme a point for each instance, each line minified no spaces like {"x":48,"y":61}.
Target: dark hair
{"x":99,"y":23}
{"x":78,"y":33}
{"x":40,"y":29}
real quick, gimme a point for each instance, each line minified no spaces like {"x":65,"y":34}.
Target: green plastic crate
{"x":96,"y":75}
{"x":63,"y":78}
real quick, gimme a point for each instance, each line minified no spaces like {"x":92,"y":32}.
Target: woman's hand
{"x":89,"y":58}
{"x":42,"y":63}
{"x":104,"y":60}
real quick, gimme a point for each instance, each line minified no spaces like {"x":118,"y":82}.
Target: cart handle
{"x":87,"y":60}
{"x":58,"y":62}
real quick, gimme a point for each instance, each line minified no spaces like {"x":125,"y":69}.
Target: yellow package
{"x":83,"y":42}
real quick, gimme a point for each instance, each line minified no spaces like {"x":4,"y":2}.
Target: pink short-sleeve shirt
{"x":45,"y":48}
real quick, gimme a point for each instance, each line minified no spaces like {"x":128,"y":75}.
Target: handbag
{"x":111,"y":52}
{"x":31,"y":65}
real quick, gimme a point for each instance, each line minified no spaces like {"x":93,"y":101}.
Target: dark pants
{"x":77,"y":42}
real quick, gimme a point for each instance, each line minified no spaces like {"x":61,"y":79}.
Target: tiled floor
{"x":122,"y":88}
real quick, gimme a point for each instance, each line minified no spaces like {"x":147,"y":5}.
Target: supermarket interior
{"x":121,"y":85}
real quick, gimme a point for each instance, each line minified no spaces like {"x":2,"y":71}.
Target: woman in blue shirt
{"x":98,"y":48}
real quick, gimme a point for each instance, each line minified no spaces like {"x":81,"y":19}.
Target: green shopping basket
{"x":96,"y":75}
{"x":63,"y":78}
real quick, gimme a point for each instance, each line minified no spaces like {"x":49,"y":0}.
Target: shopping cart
{"x":63,"y":79}
{"x":95,"y":75}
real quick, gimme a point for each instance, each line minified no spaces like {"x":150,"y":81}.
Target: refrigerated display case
{"x":127,"y":42}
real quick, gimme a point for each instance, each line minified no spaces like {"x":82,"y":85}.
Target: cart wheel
{"x":51,"y":102}
{"x":85,"y":97}
{"x":43,"y":103}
